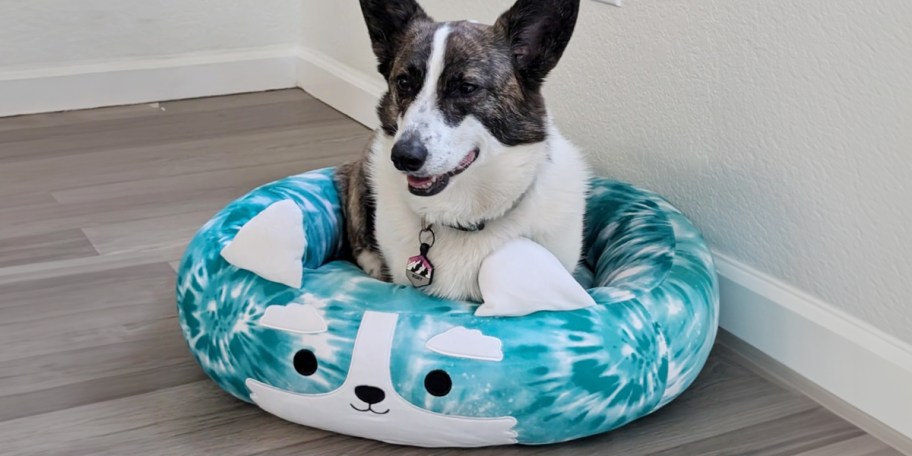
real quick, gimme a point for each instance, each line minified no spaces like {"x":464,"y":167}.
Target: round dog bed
{"x":316,"y":341}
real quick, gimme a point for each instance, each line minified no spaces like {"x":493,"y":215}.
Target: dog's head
{"x":464,"y":100}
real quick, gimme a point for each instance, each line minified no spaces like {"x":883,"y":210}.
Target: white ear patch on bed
{"x":271,"y":245}
{"x":461,"y":342}
{"x":295,"y":318}
{"x":522,"y":277}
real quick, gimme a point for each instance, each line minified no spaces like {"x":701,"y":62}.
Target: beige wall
{"x":50,"y":34}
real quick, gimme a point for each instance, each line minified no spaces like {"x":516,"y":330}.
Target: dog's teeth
{"x":424,"y":183}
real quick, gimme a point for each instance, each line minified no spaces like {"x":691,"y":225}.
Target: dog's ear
{"x":537,"y":32}
{"x":386,"y":21}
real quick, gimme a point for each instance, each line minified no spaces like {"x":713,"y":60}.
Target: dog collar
{"x":470,"y":228}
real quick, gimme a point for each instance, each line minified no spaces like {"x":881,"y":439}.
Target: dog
{"x":467,"y":157}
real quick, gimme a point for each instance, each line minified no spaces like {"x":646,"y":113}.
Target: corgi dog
{"x":467,"y":157}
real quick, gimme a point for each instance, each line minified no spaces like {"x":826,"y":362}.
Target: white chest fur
{"x":550,"y":213}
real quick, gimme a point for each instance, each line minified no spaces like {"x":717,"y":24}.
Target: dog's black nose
{"x":369,"y":394}
{"x":409,"y":153}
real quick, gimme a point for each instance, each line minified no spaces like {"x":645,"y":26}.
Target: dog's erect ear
{"x":538,"y":32}
{"x":386,"y":21}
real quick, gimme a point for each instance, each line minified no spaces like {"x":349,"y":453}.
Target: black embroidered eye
{"x":467,"y":88}
{"x":438,"y":383}
{"x":305,"y":362}
{"x":404,"y":84}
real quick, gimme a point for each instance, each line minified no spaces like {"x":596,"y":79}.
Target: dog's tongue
{"x":420,"y":182}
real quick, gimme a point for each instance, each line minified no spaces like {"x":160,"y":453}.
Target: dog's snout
{"x":369,"y":394}
{"x":409,"y":153}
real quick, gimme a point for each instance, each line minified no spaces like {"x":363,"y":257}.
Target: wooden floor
{"x":96,"y":208}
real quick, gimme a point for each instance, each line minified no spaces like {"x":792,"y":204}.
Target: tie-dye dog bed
{"x":322,"y":344}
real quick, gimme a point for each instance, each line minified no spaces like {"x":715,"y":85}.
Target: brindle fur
{"x":358,"y":210}
{"x":508,"y":63}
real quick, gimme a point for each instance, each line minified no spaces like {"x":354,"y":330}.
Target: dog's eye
{"x":438,"y":383}
{"x":404,"y":84}
{"x":467,"y":88}
{"x":305,"y":362}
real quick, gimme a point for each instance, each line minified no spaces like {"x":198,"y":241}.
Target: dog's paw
{"x":372,"y":263}
{"x":522,"y":277}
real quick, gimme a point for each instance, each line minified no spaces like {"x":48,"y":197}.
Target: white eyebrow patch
{"x":295,"y":318}
{"x":461,"y":342}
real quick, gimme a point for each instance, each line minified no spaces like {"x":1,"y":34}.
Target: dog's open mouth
{"x":432,"y":185}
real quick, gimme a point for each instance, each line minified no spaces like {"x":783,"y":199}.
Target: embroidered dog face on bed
{"x":368,"y":405}
{"x":411,"y":369}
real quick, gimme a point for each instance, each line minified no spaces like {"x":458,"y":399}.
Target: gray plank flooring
{"x":95,"y":209}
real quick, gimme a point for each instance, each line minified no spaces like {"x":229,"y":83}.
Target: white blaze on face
{"x":389,"y":417}
{"x":447,"y":145}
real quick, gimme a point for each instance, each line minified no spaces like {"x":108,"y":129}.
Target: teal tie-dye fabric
{"x":564,"y":375}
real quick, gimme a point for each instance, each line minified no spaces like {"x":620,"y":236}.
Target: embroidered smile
{"x":432,"y":185}
{"x":369,"y":409}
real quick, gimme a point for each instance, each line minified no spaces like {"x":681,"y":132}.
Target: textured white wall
{"x":56,"y":33}
{"x":783,"y":128}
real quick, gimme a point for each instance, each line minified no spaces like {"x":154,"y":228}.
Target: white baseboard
{"x":856,"y":362}
{"x":149,"y":80}
{"x":348,"y":90}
